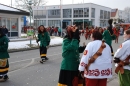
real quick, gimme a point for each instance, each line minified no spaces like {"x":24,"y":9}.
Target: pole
{"x":83,"y":14}
{"x":30,"y":27}
{"x":11,"y":3}
{"x":72,"y":12}
{"x":61,"y":17}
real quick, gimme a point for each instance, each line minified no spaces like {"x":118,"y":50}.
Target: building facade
{"x":89,"y":13}
{"x":11,"y":18}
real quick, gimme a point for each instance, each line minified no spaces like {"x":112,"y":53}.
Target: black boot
{"x":46,"y":58}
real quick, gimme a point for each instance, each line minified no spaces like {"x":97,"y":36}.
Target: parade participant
{"x":116,"y":33}
{"x":108,"y":35}
{"x":101,"y":30}
{"x":44,"y":39}
{"x":122,"y":57}
{"x":4,"y":63}
{"x":87,"y":33}
{"x":96,"y":72}
{"x":70,"y":54}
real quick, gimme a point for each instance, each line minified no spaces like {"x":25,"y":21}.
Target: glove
{"x":116,"y":60}
{"x":126,"y":62}
{"x":76,"y":35}
{"x":37,"y":40}
{"x":48,"y":42}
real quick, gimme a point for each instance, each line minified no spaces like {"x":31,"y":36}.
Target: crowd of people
{"x":93,"y":68}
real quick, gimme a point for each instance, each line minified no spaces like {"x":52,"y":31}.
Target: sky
{"x":120,"y":4}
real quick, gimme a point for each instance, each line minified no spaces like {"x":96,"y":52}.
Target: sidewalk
{"x":23,"y":44}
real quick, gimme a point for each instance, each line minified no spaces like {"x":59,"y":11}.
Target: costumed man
{"x":108,"y":35}
{"x":44,"y":39}
{"x":4,"y":64}
{"x":122,"y":58}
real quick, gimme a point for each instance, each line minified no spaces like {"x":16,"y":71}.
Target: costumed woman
{"x":4,"y":63}
{"x":108,"y":35}
{"x":70,"y":54}
{"x":44,"y":39}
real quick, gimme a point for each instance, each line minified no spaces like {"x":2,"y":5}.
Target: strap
{"x":96,"y":55}
{"x":121,"y":64}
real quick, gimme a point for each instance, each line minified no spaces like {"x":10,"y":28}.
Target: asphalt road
{"x":25,"y":69}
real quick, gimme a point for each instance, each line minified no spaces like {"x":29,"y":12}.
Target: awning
{"x":81,"y":20}
{"x":66,"y":20}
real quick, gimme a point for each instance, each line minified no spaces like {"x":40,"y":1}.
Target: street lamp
{"x":30,"y":4}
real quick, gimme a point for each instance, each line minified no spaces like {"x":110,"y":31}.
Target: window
{"x":108,"y":17}
{"x":14,"y":24}
{"x":55,"y":23}
{"x":93,"y":13}
{"x":40,"y":14}
{"x":105,"y":14}
{"x":78,"y":12}
{"x":54,"y":13}
{"x":86,"y":12}
{"x":67,"y":13}
{"x":101,"y":14}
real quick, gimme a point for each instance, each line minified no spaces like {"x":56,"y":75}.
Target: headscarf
{"x":1,"y":32}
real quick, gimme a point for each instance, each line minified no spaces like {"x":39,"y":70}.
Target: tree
{"x":127,"y":12}
{"x":24,"y":4}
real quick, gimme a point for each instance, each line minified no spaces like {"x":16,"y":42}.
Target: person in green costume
{"x":70,"y":54}
{"x":108,"y":35}
{"x":44,"y":39}
{"x":4,"y":64}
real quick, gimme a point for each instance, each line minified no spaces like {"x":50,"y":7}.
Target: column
{"x":19,"y":26}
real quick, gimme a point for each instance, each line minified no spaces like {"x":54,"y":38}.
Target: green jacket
{"x":4,"y":47}
{"x":107,"y":37}
{"x":70,"y":54}
{"x":44,"y":39}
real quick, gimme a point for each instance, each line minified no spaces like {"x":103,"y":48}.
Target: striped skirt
{"x":4,"y":66}
{"x":66,"y":78}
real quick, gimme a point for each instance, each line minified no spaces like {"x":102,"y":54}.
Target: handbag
{"x":3,"y":62}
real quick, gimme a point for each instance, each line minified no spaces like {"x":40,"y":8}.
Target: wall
{"x":95,"y":20}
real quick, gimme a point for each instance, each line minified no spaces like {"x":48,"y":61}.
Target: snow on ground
{"x":24,"y":44}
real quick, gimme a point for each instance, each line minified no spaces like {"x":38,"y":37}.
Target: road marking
{"x":29,"y":63}
{"x":32,"y":58}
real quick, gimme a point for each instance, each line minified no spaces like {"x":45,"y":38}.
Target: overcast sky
{"x":120,"y":4}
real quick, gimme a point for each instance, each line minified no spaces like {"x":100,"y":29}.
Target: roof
{"x":113,"y":12}
{"x":12,"y":10}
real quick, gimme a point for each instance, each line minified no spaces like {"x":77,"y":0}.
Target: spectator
{"x":59,"y":31}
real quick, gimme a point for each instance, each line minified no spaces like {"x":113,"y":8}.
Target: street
{"x":25,"y":69}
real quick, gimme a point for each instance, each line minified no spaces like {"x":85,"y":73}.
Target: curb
{"x":32,"y":48}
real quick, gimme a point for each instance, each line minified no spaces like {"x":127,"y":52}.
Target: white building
{"x":11,"y":18}
{"x":91,"y":14}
